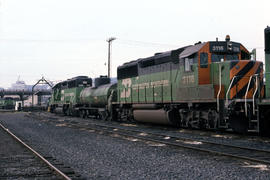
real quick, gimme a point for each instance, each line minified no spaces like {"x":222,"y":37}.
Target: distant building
{"x":20,"y":85}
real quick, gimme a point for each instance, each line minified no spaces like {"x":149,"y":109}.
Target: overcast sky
{"x":60,"y":39}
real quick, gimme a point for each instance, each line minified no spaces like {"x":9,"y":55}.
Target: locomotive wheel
{"x":174,"y":117}
{"x":239,"y":122}
{"x":71,"y":113}
{"x":82,"y":114}
{"x":65,"y":112}
{"x":68,"y":112}
{"x":51,"y":109}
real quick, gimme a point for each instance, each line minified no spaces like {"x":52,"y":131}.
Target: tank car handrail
{"x":227,"y":93}
{"x":219,"y":91}
{"x":254,"y":94}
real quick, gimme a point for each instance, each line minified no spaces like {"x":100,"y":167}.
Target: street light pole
{"x":109,"y":55}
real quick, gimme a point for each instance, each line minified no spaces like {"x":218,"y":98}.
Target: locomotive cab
{"x":237,"y":81}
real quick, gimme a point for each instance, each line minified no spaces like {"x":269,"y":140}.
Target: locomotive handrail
{"x":138,"y":94}
{"x":145,"y":94}
{"x":125,"y":95}
{"x":219,"y":91}
{"x":254,"y":94}
{"x":250,"y":78}
{"x":162,"y":93}
{"x":171,"y":93}
{"x":131,"y":94}
{"x":153,"y":93}
{"x":227,"y":93}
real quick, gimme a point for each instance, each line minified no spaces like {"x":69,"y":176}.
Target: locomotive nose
{"x":243,"y":74}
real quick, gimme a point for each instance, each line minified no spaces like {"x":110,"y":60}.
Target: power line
{"x":144,"y":43}
{"x":50,"y":40}
{"x":121,"y":41}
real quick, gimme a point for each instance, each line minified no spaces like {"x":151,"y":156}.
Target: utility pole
{"x":109,"y":55}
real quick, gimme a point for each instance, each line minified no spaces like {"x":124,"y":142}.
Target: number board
{"x":222,"y":47}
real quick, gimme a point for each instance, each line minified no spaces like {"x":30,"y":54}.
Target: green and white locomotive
{"x":7,"y":103}
{"x":66,"y":95}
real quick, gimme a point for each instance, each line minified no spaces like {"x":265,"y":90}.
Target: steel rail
{"x":189,"y":139}
{"x":192,"y":146}
{"x":116,"y":130}
{"x":36,"y":154}
{"x":163,"y":141}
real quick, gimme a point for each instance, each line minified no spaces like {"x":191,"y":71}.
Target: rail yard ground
{"x":97,"y":155}
{"x":17,"y":162}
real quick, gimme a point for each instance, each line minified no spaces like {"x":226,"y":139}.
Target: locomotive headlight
{"x":229,"y":46}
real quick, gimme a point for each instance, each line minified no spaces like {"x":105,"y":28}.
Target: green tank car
{"x":97,"y":100}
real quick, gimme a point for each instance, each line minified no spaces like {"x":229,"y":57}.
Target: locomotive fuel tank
{"x":159,"y":116}
{"x":153,"y":113}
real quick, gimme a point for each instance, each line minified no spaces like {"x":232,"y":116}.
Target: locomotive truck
{"x":210,"y":85}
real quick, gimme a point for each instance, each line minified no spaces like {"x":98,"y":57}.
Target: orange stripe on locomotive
{"x":243,"y":70}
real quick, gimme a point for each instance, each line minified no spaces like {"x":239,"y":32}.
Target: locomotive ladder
{"x":220,"y":124}
{"x":254,"y":94}
{"x":256,"y":121}
{"x":245,"y":99}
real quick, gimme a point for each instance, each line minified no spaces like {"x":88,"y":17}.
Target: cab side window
{"x":188,"y":64}
{"x":203,"y":60}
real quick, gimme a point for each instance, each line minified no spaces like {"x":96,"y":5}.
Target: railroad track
{"x":238,"y":152}
{"x":19,"y":161}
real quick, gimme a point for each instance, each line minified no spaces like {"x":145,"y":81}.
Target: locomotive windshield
{"x":226,"y":57}
{"x":232,"y":57}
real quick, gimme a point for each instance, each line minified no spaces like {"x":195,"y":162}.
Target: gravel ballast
{"x":98,"y":156}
